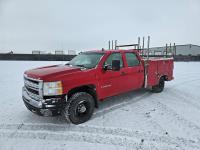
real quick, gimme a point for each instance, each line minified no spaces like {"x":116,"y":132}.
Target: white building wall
{"x":188,"y":49}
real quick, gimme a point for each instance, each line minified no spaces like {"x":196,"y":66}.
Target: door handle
{"x":140,"y":70}
{"x":123,"y":73}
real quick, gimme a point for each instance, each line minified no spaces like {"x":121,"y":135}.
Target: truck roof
{"x":111,"y":51}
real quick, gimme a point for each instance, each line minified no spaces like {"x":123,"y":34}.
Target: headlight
{"x":52,"y":88}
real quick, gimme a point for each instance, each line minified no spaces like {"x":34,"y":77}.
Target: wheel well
{"x":165,"y":77}
{"x":90,"y":89}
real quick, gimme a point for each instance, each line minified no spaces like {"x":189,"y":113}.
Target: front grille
{"x":33,"y":87}
{"x":34,"y":91}
{"x":33,"y":81}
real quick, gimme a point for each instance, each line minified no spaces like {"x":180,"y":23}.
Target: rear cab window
{"x":132,"y":59}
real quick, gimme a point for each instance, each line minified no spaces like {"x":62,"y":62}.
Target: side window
{"x":132,"y":59}
{"x":114,"y":56}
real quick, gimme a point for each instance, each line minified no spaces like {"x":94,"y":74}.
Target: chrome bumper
{"x":37,"y":103}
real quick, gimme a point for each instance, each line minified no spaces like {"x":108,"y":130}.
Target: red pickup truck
{"x":75,"y":88}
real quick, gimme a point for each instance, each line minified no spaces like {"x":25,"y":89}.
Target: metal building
{"x":185,"y":50}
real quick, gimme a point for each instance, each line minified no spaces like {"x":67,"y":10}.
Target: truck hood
{"x":51,"y":72}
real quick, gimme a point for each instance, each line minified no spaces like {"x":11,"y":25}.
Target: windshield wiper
{"x":81,"y":66}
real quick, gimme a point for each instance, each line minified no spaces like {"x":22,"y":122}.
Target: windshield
{"x":86,"y":60}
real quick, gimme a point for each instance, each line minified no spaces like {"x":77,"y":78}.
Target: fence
{"x":186,"y":58}
{"x":36,"y":57}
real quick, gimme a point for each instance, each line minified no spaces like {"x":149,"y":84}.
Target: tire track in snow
{"x":131,"y":100}
{"x":93,"y":134}
{"x":176,"y":92}
{"x":173,"y":89}
{"x":131,"y":143}
{"x":178,"y":119}
{"x":183,"y":83}
{"x":124,"y":103}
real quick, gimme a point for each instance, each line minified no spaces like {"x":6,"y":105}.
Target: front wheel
{"x":79,"y":108}
{"x":160,"y":87}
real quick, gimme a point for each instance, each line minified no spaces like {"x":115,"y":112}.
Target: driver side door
{"x":112,"y":82}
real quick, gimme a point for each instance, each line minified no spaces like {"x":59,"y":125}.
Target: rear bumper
{"x":40,"y":105}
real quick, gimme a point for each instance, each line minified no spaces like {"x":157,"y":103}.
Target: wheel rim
{"x":82,"y":109}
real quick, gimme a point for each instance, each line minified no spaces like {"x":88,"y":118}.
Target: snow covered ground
{"x":135,"y":120}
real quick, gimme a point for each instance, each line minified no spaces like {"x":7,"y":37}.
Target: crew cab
{"x":74,"y":89}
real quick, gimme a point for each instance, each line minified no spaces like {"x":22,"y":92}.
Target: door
{"x":134,"y":72}
{"x":112,"y":82}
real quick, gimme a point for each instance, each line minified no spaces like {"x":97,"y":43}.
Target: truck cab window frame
{"x":131,"y":59}
{"x":113,"y":56}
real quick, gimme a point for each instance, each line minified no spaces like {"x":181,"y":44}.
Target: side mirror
{"x":107,"y":67}
{"x":116,"y":65}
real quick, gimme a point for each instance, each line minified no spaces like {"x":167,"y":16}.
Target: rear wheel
{"x":160,"y":87}
{"x":79,"y":108}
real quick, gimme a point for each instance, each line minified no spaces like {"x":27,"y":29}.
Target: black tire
{"x":160,"y":87}
{"x":79,"y":108}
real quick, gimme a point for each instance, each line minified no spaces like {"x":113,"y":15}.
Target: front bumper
{"x":43,"y":106}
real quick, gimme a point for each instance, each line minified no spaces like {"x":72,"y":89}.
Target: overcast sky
{"x":27,"y":25}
